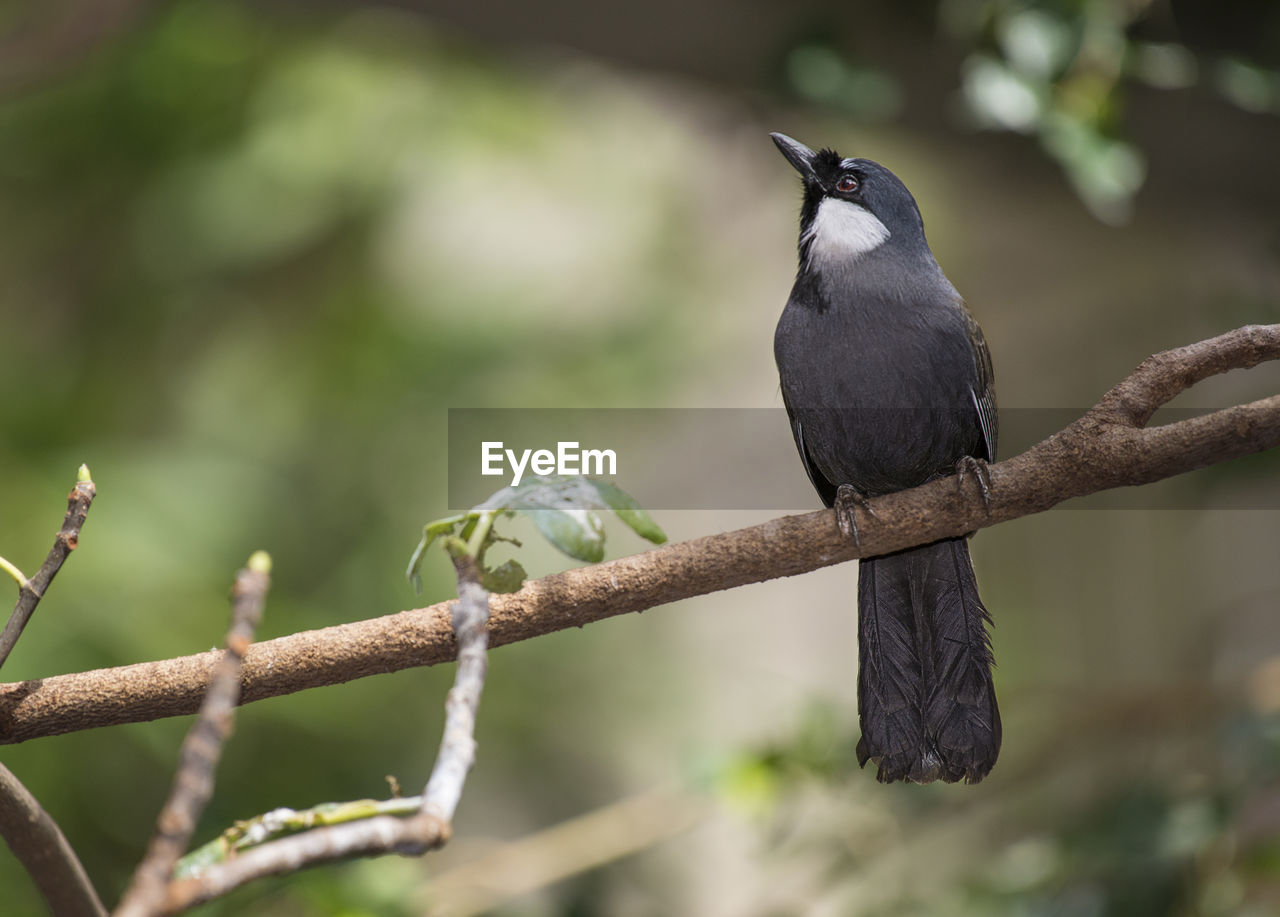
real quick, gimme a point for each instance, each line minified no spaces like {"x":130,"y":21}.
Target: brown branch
{"x":42,"y":849}
{"x":426,"y":830}
{"x":193,"y":784}
{"x":31,"y":591}
{"x":1105,"y":448}
{"x":32,"y":835}
{"x":458,"y":743}
{"x":371,"y":837}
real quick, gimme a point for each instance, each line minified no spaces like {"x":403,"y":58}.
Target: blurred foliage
{"x":1059,"y":70}
{"x":249,"y":255}
{"x":1153,"y":848}
{"x":819,"y":73}
{"x":247,"y":259}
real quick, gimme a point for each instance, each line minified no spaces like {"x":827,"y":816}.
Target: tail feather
{"x":890,"y":673}
{"x":925,"y":695}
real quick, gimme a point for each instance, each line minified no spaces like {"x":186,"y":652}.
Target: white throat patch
{"x":842,"y":230}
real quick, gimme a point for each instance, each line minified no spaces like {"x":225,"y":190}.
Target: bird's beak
{"x":797,"y":154}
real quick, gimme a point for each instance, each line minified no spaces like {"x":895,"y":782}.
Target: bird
{"x":888,"y":384}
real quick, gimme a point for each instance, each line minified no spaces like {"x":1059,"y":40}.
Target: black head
{"x":870,"y":208}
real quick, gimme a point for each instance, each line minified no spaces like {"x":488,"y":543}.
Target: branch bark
{"x":32,"y":590}
{"x":458,"y":743}
{"x":370,"y":837}
{"x":1108,"y":447}
{"x":32,"y":835}
{"x":428,"y":829}
{"x":42,"y":848}
{"x":201,"y":750}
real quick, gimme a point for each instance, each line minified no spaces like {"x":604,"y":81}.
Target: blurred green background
{"x":251,"y":254}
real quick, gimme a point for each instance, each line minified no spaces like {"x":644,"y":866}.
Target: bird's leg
{"x":848,"y":501}
{"x":971,"y":466}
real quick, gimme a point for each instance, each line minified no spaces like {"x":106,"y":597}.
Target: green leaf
{"x":506,"y":577}
{"x":577,"y":532}
{"x":543,"y":493}
{"x":430,"y":532}
{"x":563,"y":509}
{"x":629,"y":511}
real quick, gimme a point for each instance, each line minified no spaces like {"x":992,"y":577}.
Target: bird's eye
{"x":846,"y":184}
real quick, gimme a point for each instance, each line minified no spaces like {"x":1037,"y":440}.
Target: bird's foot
{"x":972,"y":467}
{"x":848,"y":501}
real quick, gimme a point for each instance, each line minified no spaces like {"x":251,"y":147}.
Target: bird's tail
{"x":925,"y":697}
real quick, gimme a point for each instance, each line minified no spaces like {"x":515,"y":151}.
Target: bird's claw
{"x":848,"y":501}
{"x":971,"y":466}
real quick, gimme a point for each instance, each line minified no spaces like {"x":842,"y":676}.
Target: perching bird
{"x":888,"y":384}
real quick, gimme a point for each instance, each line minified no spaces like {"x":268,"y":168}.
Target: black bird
{"x":888,"y":384}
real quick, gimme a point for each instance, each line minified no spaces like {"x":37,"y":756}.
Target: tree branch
{"x":201,"y":750}
{"x":371,"y":837}
{"x":32,"y":835}
{"x":1107,"y":447}
{"x":458,"y":743}
{"x":382,"y":834}
{"x":30,"y":591}
{"x":41,"y":847}
{"x":249,"y":833}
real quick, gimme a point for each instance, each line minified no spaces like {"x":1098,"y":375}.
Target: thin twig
{"x":458,"y":744}
{"x":30,"y":591}
{"x":383,"y":834}
{"x":193,"y":784}
{"x":271,"y":826}
{"x":1106,"y":448}
{"x":41,"y":847}
{"x":372,"y":837}
{"x":18,"y":576}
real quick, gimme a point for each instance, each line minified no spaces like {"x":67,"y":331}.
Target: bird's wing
{"x":984,"y":392}
{"x":826,"y":490}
